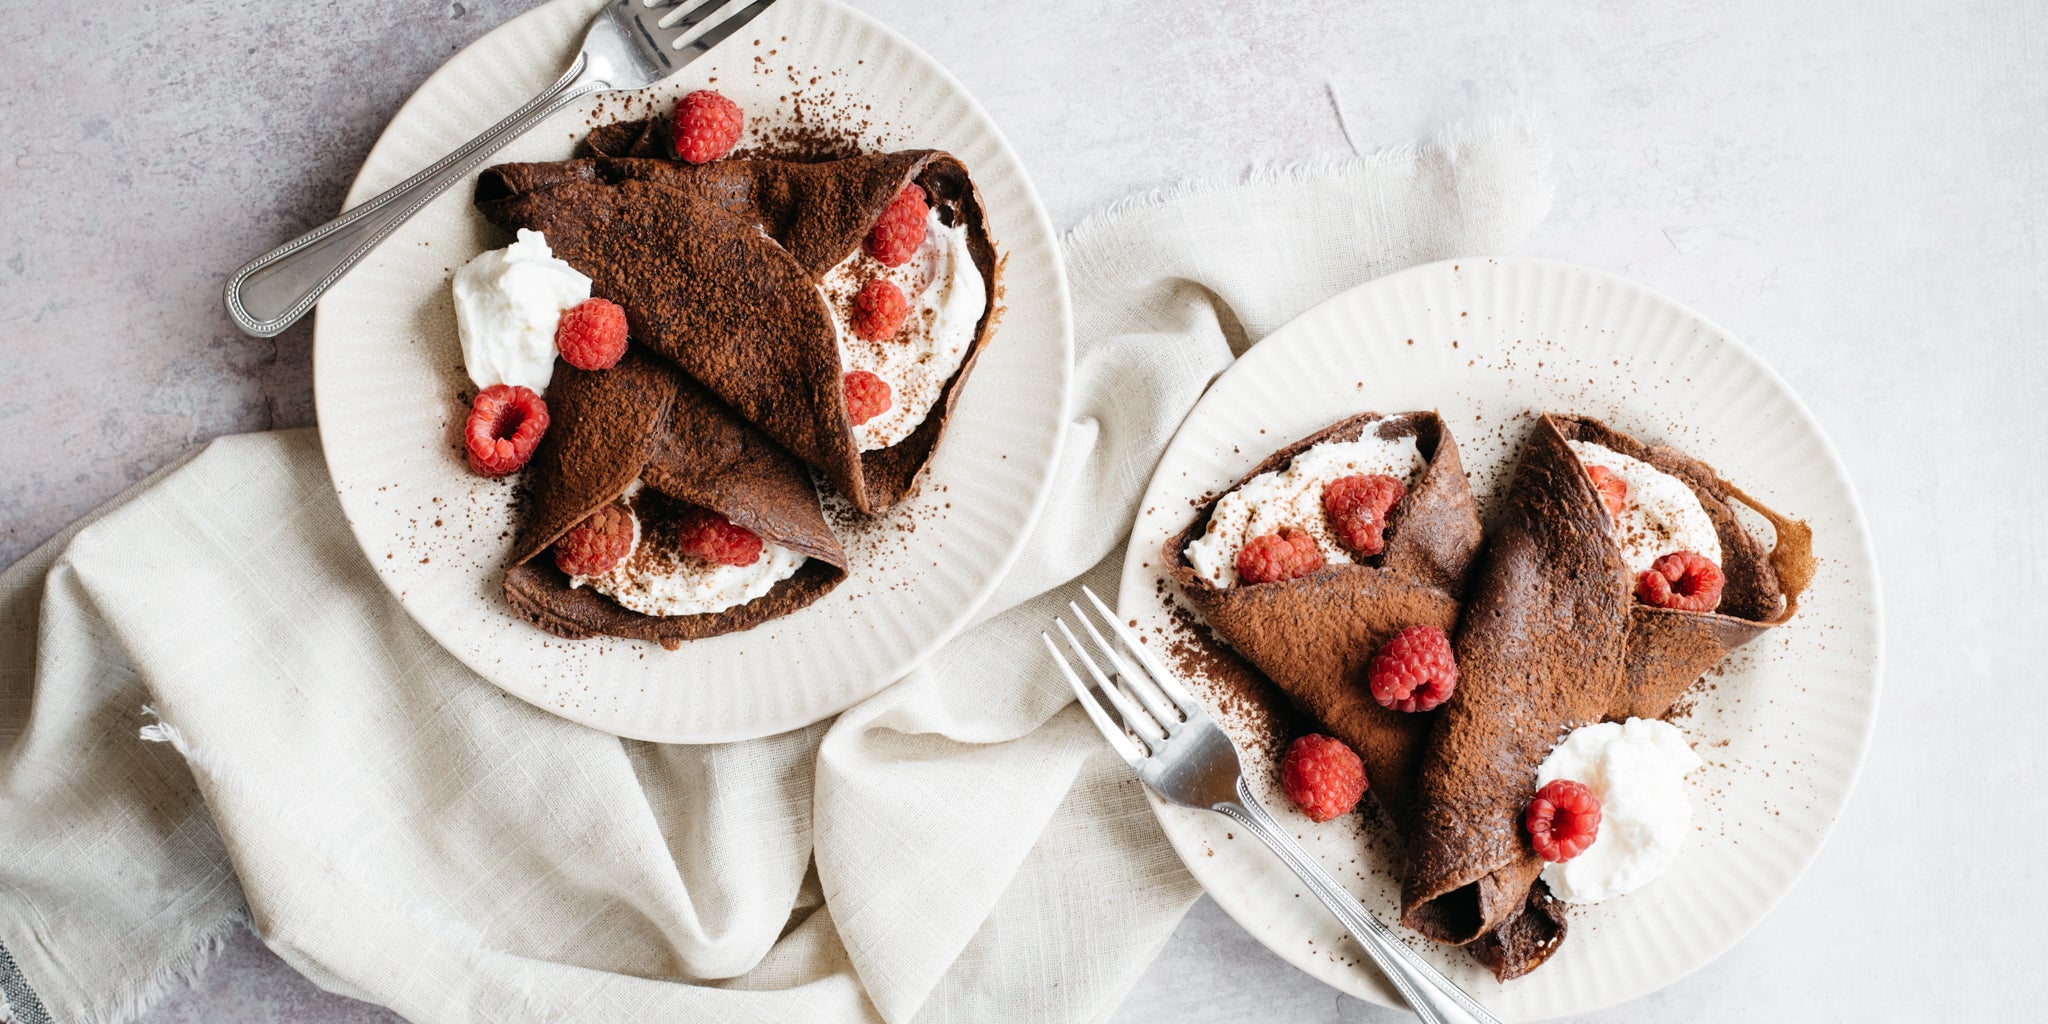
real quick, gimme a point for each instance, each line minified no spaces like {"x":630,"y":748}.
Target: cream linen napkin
{"x":959,"y":847}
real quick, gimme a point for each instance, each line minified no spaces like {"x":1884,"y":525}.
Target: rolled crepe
{"x":1313,"y":636}
{"x":718,"y":266}
{"x":643,"y":419}
{"x":1553,"y":639}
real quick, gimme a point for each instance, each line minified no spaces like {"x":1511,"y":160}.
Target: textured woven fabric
{"x":211,"y":712}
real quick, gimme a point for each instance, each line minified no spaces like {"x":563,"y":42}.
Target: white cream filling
{"x":1662,"y":515}
{"x":1636,"y":769}
{"x":507,"y":303}
{"x":1294,"y":497}
{"x":656,"y":579}
{"x":946,"y":297}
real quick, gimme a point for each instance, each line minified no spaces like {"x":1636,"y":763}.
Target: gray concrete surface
{"x":1856,"y":187}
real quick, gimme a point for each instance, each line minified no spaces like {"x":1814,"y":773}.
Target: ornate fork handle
{"x":1433,"y":997}
{"x":272,"y":291}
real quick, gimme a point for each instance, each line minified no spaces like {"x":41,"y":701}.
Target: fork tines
{"x":703,"y":24}
{"x":1151,"y":703}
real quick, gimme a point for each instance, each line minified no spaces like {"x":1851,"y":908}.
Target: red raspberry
{"x":596,"y":544}
{"x":1286,"y":555}
{"x":1322,"y":776}
{"x":900,"y":229}
{"x":1613,"y":489}
{"x":1681,"y":580}
{"x":867,"y":396}
{"x":713,"y":538}
{"x":707,"y":126}
{"x":592,"y":334}
{"x":505,"y":425}
{"x":879,"y":309}
{"x":1357,"y":506}
{"x":1563,"y":820}
{"x":1414,"y":671}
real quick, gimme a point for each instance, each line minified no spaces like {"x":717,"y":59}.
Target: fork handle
{"x":272,"y":291}
{"x":1433,"y":997}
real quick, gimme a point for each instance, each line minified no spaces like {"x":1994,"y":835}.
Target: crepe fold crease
{"x":718,"y":266}
{"x":1552,"y":639}
{"x":645,"y":420}
{"x":1313,"y":636}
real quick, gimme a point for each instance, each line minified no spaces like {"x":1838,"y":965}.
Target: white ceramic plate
{"x":1782,"y":726}
{"x":388,"y":376}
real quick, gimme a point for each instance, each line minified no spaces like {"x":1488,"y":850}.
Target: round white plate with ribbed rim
{"x":1782,"y":725}
{"x":390,"y":389}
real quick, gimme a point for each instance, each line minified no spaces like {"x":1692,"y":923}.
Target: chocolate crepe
{"x":1553,"y":639}
{"x":1313,"y":636}
{"x":717,"y":266}
{"x":644,"y":419}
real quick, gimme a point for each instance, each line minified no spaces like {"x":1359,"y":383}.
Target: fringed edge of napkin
{"x":19,"y":1003}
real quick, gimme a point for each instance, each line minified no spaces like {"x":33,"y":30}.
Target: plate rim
{"x":1060,"y":299}
{"x":1368,"y":981}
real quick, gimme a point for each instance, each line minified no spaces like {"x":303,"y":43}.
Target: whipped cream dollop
{"x":946,"y":297}
{"x":1294,"y":497}
{"x":507,"y":302}
{"x":1636,"y":769}
{"x":1663,"y":515}
{"x":657,"y":579}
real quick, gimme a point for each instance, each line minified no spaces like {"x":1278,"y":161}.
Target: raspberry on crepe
{"x":899,"y":230}
{"x":1358,"y":506}
{"x":707,"y":126}
{"x":1415,"y":671}
{"x":1322,"y":776}
{"x":1286,"y":554}
{"x":599,"y":542}
{"x":1681,"y":580}
{"x":592,"y":334}
{"x":712,"y":537}
{"x":867,"y":396}
{"x":878,"y":310}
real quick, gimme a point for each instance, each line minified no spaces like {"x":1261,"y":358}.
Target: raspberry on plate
{"x":707,"y":126}
{"x":1357,"y":506}
{"x":1288,"y":554}
{"x":599,"y":542}
{"x":1414,"y":671}
{"x":505,"y":425}
{"x":900,"y":229}
{"x":1681,"y":580}
{"x":1322,"y":776}
{"x":1563,"y":820}
{"x":702,"y":533}
{"x":1613,"y":489}
{"x":592,"y":334}
{"x":867,"y":396}
{"x":879,"y":310}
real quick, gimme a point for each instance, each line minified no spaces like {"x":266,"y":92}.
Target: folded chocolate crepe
{"x":1553,"y":639}
{"x":718,"y":266}
{"x":1313,"y":636}
{"x":645,"y":420}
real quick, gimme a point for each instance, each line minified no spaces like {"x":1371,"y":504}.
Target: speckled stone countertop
{"x":1856,"y":189}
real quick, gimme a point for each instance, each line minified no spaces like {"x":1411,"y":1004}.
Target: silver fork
{"x":630,"y":44}
{"x":1186,"y":758}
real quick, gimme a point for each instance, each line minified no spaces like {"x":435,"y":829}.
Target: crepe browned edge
{"x":1313,"y":636}
{"x":643,"y":419}
{"x":815,"y":214}
{"x":1553,"y":639}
